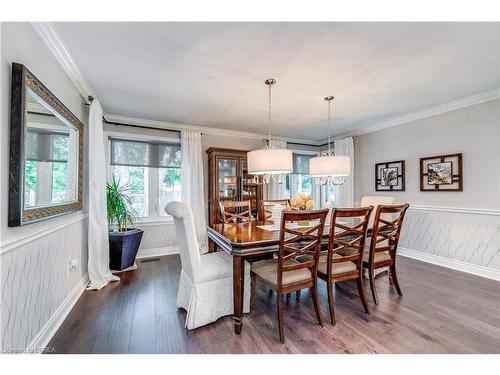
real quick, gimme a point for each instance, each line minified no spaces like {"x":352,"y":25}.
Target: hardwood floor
{"x":442,"y":311}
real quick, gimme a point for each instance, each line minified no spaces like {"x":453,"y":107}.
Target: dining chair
{"x":206,"y":281}
{"x":285,"y":274}
{"x":344,"y":260}
{"x":381,"y":251}
{"x":236,"y":211}
{"x":375,"y":200}
{"x":266,"y":206}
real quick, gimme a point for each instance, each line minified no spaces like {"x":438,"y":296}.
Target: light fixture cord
{"x":329,"y":110}
{"x":269,"y":117}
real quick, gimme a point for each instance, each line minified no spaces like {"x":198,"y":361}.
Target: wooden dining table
{"x":245,"y":241}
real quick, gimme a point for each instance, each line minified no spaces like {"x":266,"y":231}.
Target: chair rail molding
{"x":24,"y":239}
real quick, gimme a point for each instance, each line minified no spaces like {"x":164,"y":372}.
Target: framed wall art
{"x":390,"y":176}
{"x":441,"y":173}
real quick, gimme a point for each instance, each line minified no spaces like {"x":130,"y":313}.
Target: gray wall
{"x":474,"y":131}
{"x":455,"y":229}
{"x":35,"y":276}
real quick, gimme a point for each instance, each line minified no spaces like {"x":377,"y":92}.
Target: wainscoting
{"x":158,"y":239}
{"x":463,"y":239}
{"x":38,"y":287}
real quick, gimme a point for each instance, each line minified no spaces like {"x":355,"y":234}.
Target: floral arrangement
{"x":302,"y":201}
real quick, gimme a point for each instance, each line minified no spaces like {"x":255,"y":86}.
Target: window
{"x":151,"y":170}
{"x":299,"y":181}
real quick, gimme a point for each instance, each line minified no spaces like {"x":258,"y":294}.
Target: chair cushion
{"x":337,"y":268}
{"x":379,"y":257}
{"x":306,"y":257}
{"x":216,"y":266}
{"x":268,"y":270}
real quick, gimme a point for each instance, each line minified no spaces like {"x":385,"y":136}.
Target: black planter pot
{"x":123,"y":247}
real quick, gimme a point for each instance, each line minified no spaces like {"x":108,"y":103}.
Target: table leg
{"x":238,"y":292}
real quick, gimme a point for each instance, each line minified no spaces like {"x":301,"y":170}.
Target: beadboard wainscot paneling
{"x":459,"y":238}
{"x":158,"y":239}
{"x":38,"y":287}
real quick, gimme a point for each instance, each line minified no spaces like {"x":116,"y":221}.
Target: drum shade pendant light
{"x":270,"y":162}
{"x":329,"y":169}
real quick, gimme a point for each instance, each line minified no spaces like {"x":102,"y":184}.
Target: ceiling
{"x":212,"y":74}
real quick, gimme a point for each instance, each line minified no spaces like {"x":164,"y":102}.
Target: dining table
{"x":250,"y":241}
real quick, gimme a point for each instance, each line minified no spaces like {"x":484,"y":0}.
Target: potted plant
{"x":124,"y":239}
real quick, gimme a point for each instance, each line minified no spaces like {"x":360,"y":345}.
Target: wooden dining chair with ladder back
{"x":381,"y":251}
{"x":285,"y":274}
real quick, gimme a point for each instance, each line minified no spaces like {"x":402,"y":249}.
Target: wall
{"x":36,"y":283}
{"x":455,"y":228}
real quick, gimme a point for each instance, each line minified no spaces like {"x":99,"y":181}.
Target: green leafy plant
{"x":120,"y":210}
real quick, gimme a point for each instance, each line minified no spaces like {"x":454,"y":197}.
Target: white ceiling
{"x":212,"y":74}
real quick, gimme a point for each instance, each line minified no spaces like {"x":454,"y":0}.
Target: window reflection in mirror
{"x":51,"y":156}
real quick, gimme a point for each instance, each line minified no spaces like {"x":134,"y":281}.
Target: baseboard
{"x":50,"y":328}
{"x":157,"y":252}
{"x":473,"y":269}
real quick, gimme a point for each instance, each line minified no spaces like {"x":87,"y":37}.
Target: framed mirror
{"x":46,"y":153}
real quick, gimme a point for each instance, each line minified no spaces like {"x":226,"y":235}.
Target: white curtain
{"x":192,"y":183}
{"x":274,"y":190}
{"x":344,"y":194}
{"x":98,"y":243}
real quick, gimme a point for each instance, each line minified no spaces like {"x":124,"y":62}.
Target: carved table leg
{"x":238,"y":292}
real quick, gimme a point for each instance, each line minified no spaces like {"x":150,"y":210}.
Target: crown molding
{"x":483,"y":97}
{"x":52,"y":39}
{"x":165,"y":125}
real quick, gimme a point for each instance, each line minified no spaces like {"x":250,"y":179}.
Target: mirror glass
{"x":50,"y":156}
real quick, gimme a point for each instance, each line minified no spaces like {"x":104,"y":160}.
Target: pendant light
{"x":270,"y":162}
{"x":329,"y":169}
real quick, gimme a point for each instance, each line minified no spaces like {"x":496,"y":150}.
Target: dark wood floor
{"x":442,"y":311}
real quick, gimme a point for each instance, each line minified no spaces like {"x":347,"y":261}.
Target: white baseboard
{"x":157,"y":252}
{"x":50,"y":328}
{"x":489,"y":273}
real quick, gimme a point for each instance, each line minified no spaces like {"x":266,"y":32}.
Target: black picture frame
{"x":397,"y":184}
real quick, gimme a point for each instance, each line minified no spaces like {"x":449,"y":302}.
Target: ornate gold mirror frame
{"x":22,"y":80}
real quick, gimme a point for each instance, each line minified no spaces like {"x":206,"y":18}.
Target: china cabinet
{"x":229,"y":180}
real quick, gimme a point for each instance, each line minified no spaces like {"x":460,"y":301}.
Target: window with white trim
{"x":150,"y":169}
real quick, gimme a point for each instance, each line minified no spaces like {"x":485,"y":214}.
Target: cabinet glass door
{"x":227,"y":181}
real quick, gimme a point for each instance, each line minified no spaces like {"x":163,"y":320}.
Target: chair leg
{"x":297,"y":295}
{"x":372,"y":285}
{"x":329,"y":287}
{"x":316,"y":305}
{"x":253,"y":286}
{"x":395,"y":278}
{"x":280,"y":317}
{"x":361,"y":291}
{"x":287,"y":297}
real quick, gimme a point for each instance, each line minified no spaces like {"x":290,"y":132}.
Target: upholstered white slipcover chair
{"x":375,"y":200}
{"x":206,"y":284}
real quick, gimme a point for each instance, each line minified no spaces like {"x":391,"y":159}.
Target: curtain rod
{"x":178,"y":131}
{"x":138,"y":126}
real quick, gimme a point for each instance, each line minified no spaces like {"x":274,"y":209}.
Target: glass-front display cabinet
{"x":229,"y":180}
